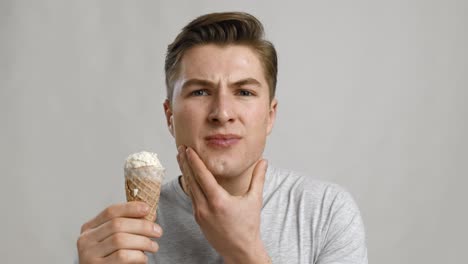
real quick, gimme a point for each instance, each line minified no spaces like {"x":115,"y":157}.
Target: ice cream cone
{"x":143,"y":179}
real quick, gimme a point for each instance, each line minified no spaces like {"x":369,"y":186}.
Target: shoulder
{"x":331,"y":210}
{"x":330,"y":201}
{"x":306,"y":186}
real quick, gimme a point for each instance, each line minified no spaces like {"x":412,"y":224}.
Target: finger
{"x":198,"y":196}
{"x":258,"y":178}
{"x":203,"y":176}
{"x":125,"y":225}
{"x":130,"y":209}
{"x":123,"y":241}
{"x":127,"y":256}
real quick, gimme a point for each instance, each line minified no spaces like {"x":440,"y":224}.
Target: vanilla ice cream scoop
{"x":142,"y":159}
{"x":143,"y":178}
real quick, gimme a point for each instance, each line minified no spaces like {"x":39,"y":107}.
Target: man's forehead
{"x":224,"y":56}
{"x":230,"y":62}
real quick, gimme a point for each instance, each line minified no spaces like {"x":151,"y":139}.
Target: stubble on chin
{"x":217,"y":167}
{"x":220,"y":166}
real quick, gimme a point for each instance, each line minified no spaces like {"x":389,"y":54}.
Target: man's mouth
{"x":222,"y":140}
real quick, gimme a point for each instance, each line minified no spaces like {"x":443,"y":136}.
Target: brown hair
{"x":222,"y":29}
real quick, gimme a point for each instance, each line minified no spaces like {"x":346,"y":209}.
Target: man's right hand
{"x":119,"y":234}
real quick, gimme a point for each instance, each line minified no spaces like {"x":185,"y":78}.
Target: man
{"x":227,"y":207}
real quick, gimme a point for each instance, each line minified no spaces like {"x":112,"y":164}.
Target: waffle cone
{"x":144,"y":184}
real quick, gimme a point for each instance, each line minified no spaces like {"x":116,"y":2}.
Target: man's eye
{"x":245,"y":93}
{"x":199,"y":93}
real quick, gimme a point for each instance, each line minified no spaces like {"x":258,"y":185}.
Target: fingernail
{"x":157,"y":229}
{"x":145,"y":208}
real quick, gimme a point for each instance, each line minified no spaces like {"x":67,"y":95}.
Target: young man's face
{"x":221,"y":107}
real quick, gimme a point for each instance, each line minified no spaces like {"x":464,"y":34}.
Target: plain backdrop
{"x":372,"y":95}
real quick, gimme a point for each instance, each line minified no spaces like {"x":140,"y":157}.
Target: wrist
{"x":252,"y":255}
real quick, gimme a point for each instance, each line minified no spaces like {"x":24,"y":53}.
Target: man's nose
{"x":221,"y":109}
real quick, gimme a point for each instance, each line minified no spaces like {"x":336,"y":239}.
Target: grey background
{"x":371,"y":96}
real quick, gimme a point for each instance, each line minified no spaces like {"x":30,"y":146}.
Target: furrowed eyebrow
{"x":248,"y":81}
{"x":201,"y":82}
{"x":198,"y":82}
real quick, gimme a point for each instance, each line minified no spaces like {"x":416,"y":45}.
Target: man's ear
{"x":272,"y":115}
{"x":169,"y":116}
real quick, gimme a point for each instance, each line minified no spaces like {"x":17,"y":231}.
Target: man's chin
{"x":220,"y":169}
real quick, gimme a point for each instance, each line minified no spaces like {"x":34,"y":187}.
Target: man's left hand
{"x":231,"y":224}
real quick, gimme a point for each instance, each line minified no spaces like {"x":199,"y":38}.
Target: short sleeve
{"x":344,"y":240}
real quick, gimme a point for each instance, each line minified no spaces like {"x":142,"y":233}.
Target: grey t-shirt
{"x":302,"y":221}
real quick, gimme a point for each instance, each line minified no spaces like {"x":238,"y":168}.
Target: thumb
{"x":258,"y":178}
